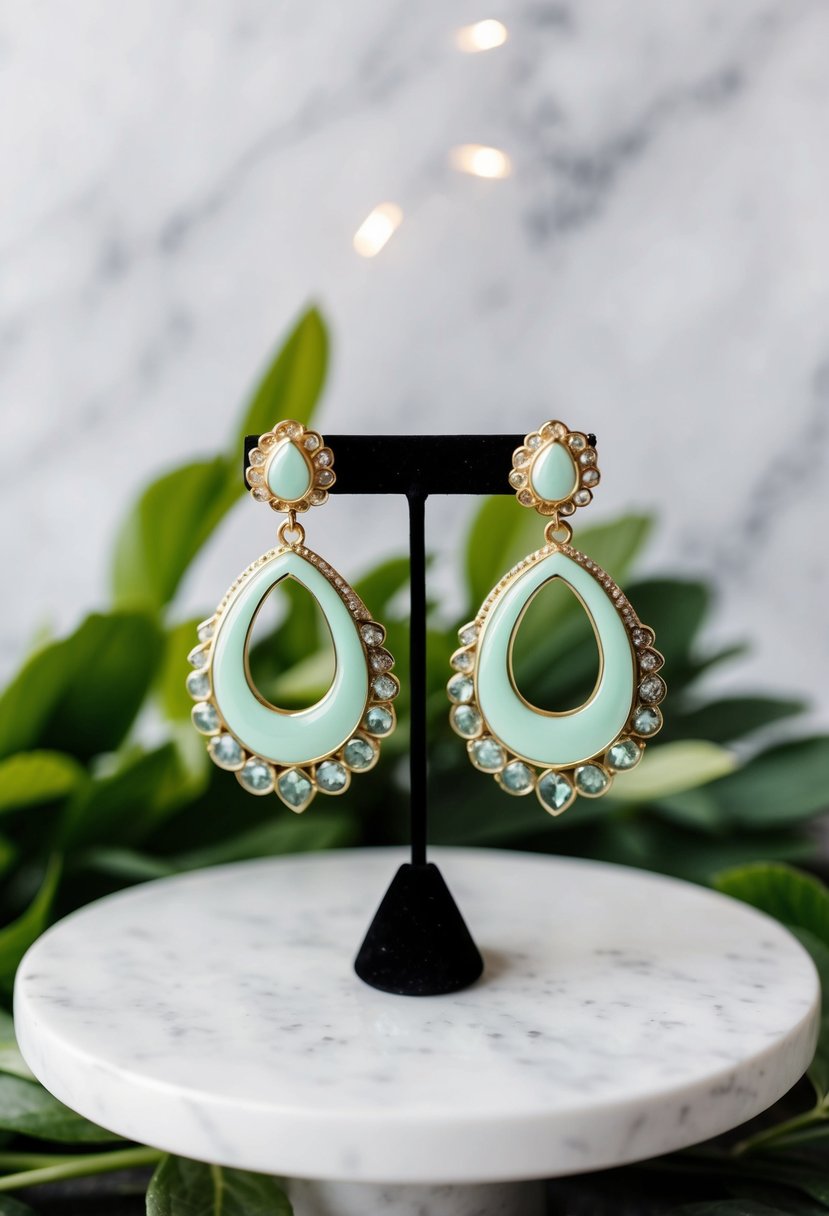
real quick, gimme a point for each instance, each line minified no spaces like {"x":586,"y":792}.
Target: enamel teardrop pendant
{"x":293,"y":753}
{"x":578,"y":751}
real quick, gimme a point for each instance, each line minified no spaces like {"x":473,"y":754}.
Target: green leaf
{"x":29,"y":1110}
{"x":31,"y":778}
{"x":502,"y":533}
{"x":735,"y":717}
{"x":11,"y":1060}
{"x":16,"y":937}
{"x":783,"y":785}
{"x":189,"y":1188}
{"x":819,"y":1067}
{"x":671,"y":768}
{"x":783,"y":892}
{"x":379,"y":586}
{"x":739,"y":1207}
{"x":800,"y":902}
{"x":13,"y":1207}
{"x":125,"y":865}
{"x":126,"y":805}
{"x":291,"y":385}
{"x":676,"y":609}
{"x":166,"y":528}
{"x":80,"y":695}
{"x":175,"y":700}
{"x":297,"y":834}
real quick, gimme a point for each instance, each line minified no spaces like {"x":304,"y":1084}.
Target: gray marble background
{"x":180,"y":178}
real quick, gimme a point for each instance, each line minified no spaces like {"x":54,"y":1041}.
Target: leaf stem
{"x":79,"y":1167}
{"x":779,"y":1131}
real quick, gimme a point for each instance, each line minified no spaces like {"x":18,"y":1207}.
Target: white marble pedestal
{"x":216,"y":1015}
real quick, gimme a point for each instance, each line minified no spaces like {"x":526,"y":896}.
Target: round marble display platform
{"x":216,"y":1015}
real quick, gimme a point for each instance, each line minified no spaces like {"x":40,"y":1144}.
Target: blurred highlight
{"x":377,"y":229}
{"x":480,"y":161}
{"x":482,"y":36}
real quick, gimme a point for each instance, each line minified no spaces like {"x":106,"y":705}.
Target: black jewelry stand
{"x":418,"y":943}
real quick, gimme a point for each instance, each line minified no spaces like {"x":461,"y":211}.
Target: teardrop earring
{"x":294,"y":753}
{"x":578,"y":751}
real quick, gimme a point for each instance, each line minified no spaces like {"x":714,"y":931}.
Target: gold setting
{"x":586,"y":476}
{"x":576,"y":778}
{"x":311,"y":447}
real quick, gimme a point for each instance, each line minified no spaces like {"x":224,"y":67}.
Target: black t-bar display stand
{"x":418,"y":943}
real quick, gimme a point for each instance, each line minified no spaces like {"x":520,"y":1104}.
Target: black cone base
{"x":418,"y":943}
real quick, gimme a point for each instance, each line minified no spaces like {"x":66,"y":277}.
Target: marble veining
{"x":621,"y":1015}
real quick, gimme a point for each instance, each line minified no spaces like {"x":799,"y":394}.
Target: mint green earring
{"x":293,"y":753}
{"x":578,"y":751}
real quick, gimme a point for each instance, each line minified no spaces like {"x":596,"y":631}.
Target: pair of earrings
{"x":299,"y":753}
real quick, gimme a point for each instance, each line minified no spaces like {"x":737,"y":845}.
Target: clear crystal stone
{"x":591,"y":780}
{"x":318,"y":496}
{"x":359,"y":753}
{"x":590,"y":477}
{"x":517,"y":479}
{"x":378,"y":720}
{"x":566,"y":508}
{"x":577,"y":442}
{"x":260,"y":494}
{"x":205,"y":718}
{"x":385,"y":687}
{"x":381,"y":660}
{"x":521,"y":457}
{"x":256,"y":776}
{"x":295,"y":788}
{"x":254,"y":478}
{"x":311,"y":443}
{"x":647,"y":720}
{"x":256,"y":457}
{"x":322,"y":459}
{"x":467,"y":634}
{"x":466,"y":720}
{"x":648,"y":660}
{"x":487,"y":754}
{"x":525,"y":497}
{"x":624,"y":754}
{"x":331,"y":776}
{"x":652,"y":688}
{"x":533,"y":442}
{"x":372,"y":634}
{"x":325,"y":477}
{"x":460,"y":688}
{"x":517,"y":777}
{"x":582,"y":497}
{"x":462,"y":660}
{"x":642,"y":637}
{"x":554,"y":792}
{"x":198,"y":685}
{"x":226,"y":752}
{"x":206,"y":630}
{"x":588,"y":457}
{"x":199,"y":657}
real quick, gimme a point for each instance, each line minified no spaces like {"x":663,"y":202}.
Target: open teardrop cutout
{"x":548,"y":738}
{"x":288,"y":737}
{"x":289,"y":606}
